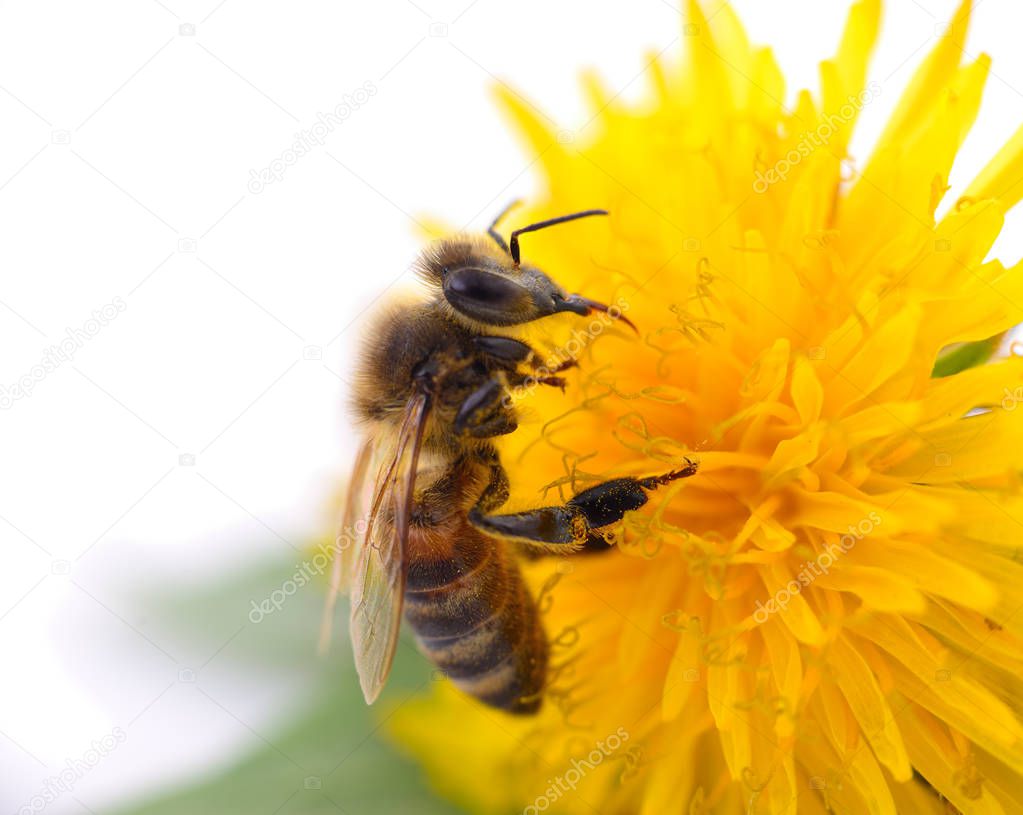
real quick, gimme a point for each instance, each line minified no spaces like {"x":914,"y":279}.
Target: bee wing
{"x":381,"y":564}
{"x":357,"y":503}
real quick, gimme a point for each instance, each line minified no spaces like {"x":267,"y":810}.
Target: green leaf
{"x":329,"y":760}
{"x":965,"y":355}
{"x":328,"y":754}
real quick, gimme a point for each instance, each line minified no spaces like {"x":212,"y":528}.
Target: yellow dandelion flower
{"x":826,"y":617}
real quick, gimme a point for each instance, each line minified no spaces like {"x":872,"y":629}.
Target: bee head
{"x":485,"y":284}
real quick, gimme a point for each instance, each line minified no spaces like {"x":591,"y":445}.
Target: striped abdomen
{"x":474,"y":616}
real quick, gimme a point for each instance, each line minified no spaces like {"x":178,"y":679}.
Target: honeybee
{"x":431,"y":395}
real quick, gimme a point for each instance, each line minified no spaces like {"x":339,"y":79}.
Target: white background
{"x":128,"y":133}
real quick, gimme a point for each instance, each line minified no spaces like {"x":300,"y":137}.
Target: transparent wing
{"x":381,"y":565}
{"x":353,"y":517}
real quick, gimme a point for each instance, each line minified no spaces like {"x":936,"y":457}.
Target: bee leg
{"x":572,"y":523}
{"x":513,"y":352}
{"x":553,"y":381}
{"x":484,"y":414}
{"x":518,"y":380}
{"x":495,"y":494}
{"x":504,"y":349}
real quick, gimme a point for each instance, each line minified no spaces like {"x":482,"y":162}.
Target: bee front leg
{"x":514,"y":352}
{"x":485,"y":413}
{"x":572,"y":524}
{"x":504,"y":349}
{"x":517,"y":380}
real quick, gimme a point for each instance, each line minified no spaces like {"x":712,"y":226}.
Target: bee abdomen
{"x":468,"y":598}
{"x":516,"y":682}
{"x":483,"y":631}
{"x":480,"y":649}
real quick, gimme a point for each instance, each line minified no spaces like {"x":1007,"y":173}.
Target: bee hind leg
{"x":572,"y":524}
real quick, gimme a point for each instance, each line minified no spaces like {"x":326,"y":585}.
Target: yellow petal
{"x":869,"y":706}
{"x":973,"y":447}
{"x":1002,"y":177}
{"x":880,"y":589}
{"x":930,"y":80}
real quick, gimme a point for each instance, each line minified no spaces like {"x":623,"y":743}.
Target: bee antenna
{"x":492,"y":229}
{"x":514,"y":242}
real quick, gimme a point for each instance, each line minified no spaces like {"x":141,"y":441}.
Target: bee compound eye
{"x":487,"y":297}
{"x":483,"y":287}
